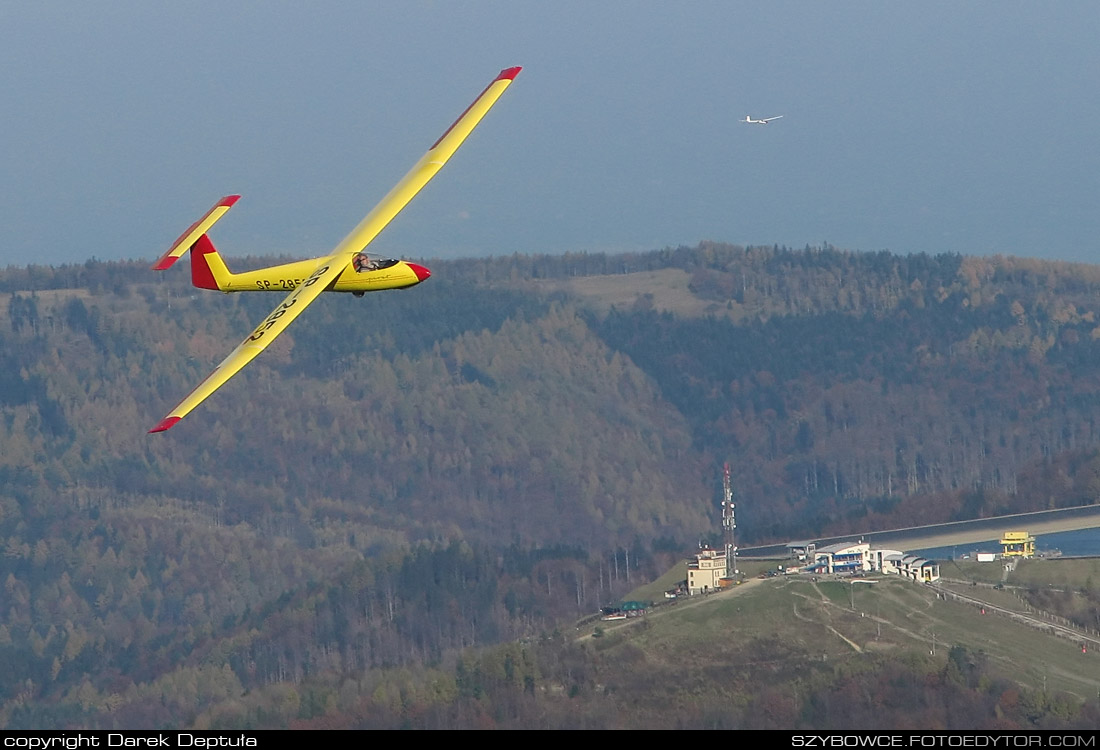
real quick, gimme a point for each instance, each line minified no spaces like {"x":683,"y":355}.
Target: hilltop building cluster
{"x":707,"y":572}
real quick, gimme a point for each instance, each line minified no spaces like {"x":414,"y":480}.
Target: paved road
{"x":959,"y":533}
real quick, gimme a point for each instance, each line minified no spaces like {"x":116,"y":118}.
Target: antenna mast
{"x":729,"y":524}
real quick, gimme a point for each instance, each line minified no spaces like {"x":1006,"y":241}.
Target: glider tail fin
{"x":208,"y":270}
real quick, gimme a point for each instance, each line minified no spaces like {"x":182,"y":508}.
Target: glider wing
{"x":425,"y":169}
{"x":264,"y":334}
{"x":329,"y":268}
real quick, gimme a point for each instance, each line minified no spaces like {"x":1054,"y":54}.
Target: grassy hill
{"x":781,"y":646}
{"x":778,"y":653}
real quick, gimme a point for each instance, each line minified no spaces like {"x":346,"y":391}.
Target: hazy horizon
{"x":942,"y":127}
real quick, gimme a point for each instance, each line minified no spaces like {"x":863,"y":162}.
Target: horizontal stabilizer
{"x":196,"y":230}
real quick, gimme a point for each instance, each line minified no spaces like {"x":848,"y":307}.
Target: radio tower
{"x":729,"y":525}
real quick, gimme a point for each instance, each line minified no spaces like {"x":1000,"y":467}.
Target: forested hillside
{"x":847,"y":384}
{"x":475,"y":459}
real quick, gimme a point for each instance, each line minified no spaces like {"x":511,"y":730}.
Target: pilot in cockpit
{"x":362,"y":262}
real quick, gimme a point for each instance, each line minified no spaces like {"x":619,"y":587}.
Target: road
{"x":958,"y":533}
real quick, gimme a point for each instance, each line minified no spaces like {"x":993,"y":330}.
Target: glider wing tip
{"x":165,"y":424}
{"x":165,"y":262}
{"x":509,"y":74}
{"x":228,"y":201}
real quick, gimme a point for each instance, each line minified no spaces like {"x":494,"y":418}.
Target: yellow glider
{"x":346,"y":269}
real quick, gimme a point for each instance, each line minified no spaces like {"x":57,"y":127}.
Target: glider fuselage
{"x":289,"y":276}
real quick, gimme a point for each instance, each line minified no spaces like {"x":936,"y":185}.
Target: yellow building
{"x":1017,"y":544}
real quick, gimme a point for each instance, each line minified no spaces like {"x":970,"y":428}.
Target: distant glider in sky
{"x":346,"y":269}
{"x":765,"y":121}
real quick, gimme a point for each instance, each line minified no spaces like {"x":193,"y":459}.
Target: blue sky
{"x":940,"y":126}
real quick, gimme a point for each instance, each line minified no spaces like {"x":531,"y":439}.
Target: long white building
{"x":846,"y":557}
{"x":859,"y":557}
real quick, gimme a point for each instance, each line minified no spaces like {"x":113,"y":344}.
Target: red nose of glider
{"x":421,"y":272}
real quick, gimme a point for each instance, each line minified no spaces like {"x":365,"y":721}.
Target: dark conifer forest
{"x":367,"y":525}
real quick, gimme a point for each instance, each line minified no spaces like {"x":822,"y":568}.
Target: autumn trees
{"x":409,"y":475}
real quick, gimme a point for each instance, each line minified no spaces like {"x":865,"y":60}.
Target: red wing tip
{"x":165,"y":423}
{"x":420,"y":271}
{"x":228,"y":201}
{"x":509,"y":74}
{"x":165,"y":262}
